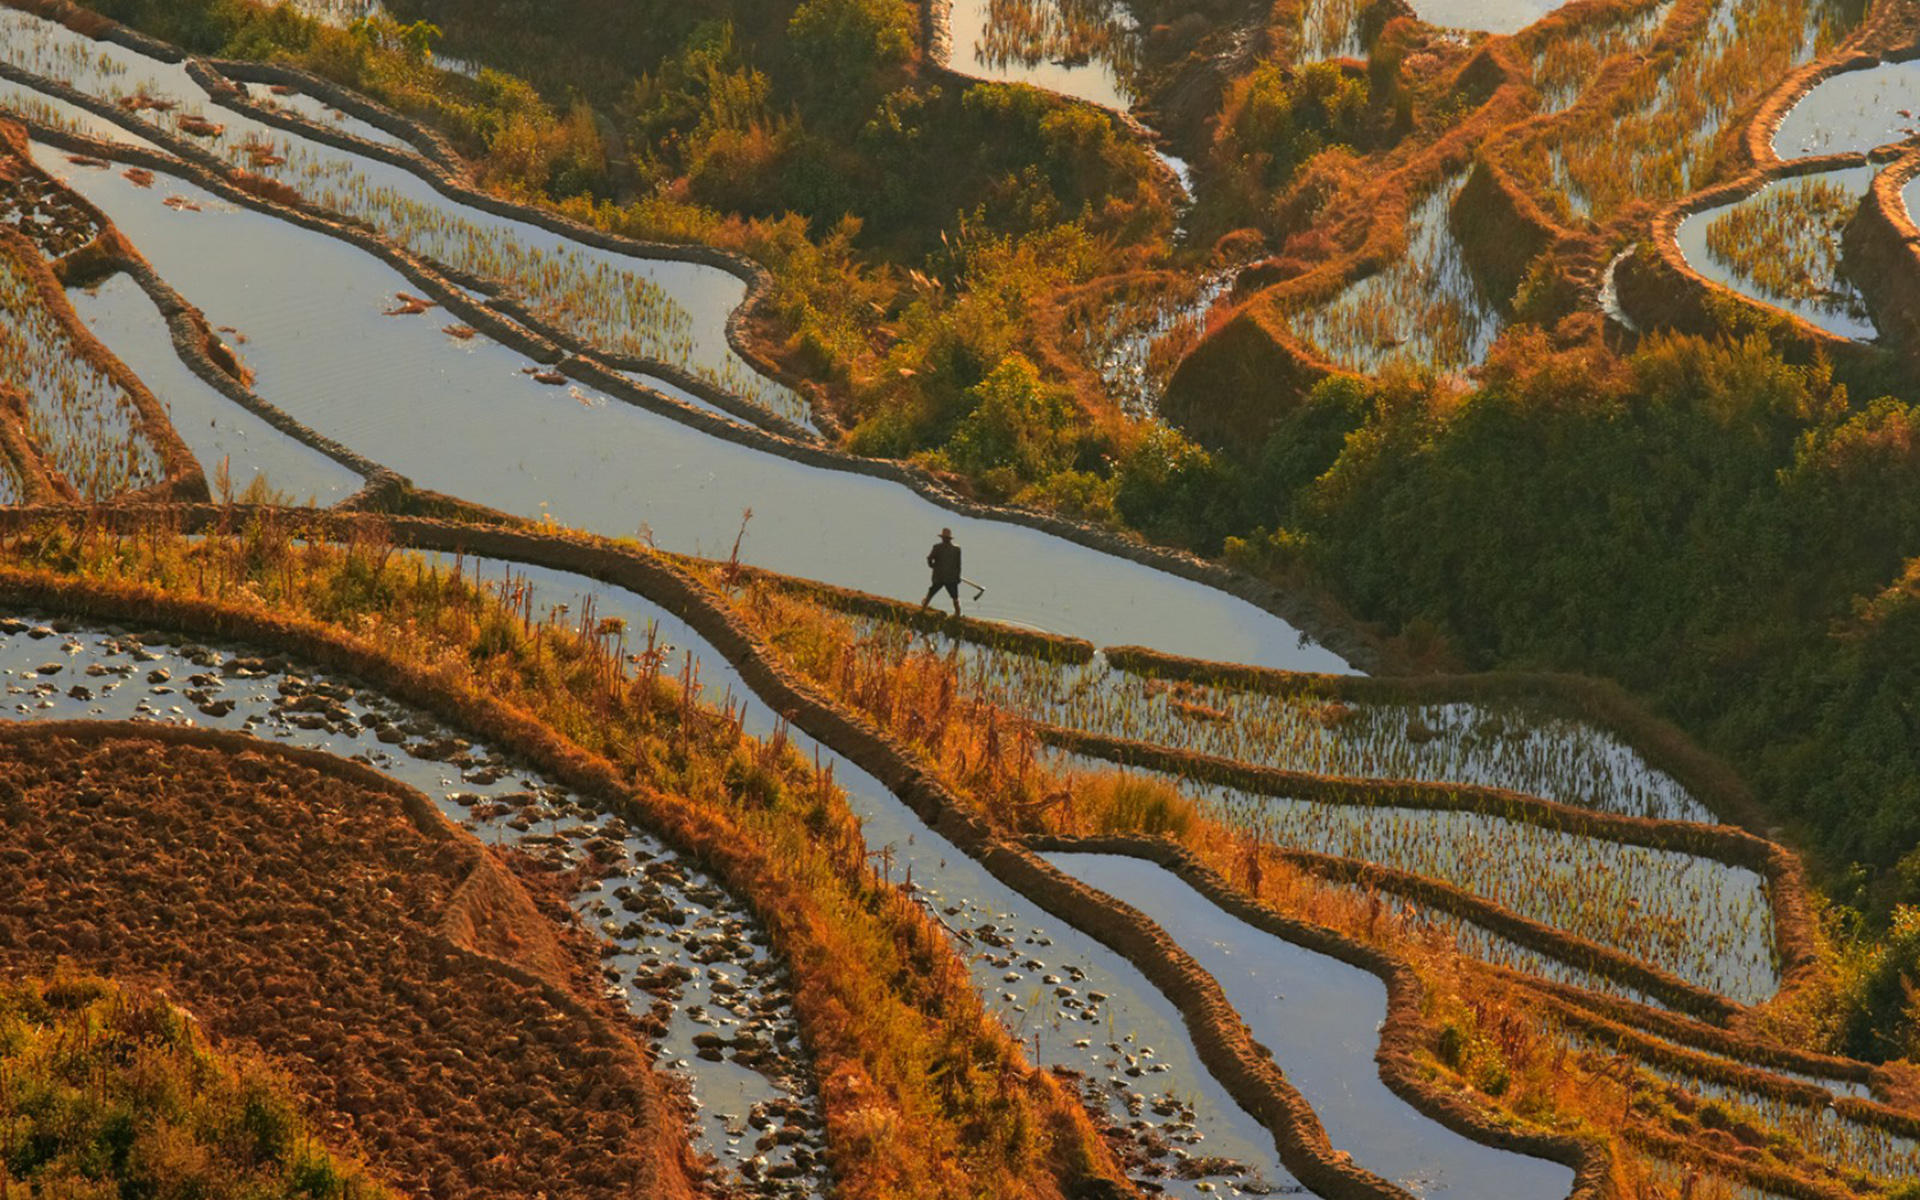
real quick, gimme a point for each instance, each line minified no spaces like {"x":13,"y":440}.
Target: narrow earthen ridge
{"x":1221,"y":1038}
{"x":1685,"y":1031}
{"x":1332,"y":628}
{"x":1050,"y":647}
{"x":1637,"y":1044}
{"x":1402,"y":1036}
{"x":1669,"y":291}
{"x":182,"y":477}
{"x":1569,"y":948}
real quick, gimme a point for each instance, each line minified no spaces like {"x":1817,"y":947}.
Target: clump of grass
{"x":1122,"y":802}
{"x":112,"y":1091}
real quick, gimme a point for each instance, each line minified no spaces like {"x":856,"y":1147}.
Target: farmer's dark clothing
{"x":944,"y":558}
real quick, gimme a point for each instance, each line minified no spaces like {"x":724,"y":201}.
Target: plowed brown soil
{"x":301,"y":908}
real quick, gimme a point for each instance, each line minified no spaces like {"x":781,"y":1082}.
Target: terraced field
{"x":472,"y":532}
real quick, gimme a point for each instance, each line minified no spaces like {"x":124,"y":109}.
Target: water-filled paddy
{"x":1321,"y":1019}
{"x":1424,"y":310}
{"x":593,"y":462}
{"x":1073,"y":48}
{"x":1781,"y":246}
{"x":214,"y":428}
{"x":1490,"y":16}
{"x":1853,"y":112}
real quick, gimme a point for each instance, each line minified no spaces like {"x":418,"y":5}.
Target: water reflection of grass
{"x":1071,"y":32}
{"x":1136,"y":338}
{"x":1657,"y":140}
{"x":1785,"y":243}
{"x":1564,"y":66}
{"x":1424,"y":310}
{"x":85,"y":424}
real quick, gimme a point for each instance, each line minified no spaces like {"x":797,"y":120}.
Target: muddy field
{"x":431,"y":1014}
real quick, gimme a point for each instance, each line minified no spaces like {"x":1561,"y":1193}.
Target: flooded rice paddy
{"x":1509,"y":745}
{"x":1853,"y":112}
{"x":1322,"y":1021}
{"x":1781,"y":247}
{"x":587,"y":460}
{"x":216,"y":429}
{"x":1425,"y":309}
{"x":1704,"y":921}
{"x":1078,"y":48}
{"x":85,"y":425}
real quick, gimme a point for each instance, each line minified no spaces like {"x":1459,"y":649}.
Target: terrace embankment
{"x":43,"y":229}
{"x":1243,"y":376}
{"x":329,"y":918}
{"x":1882,"y":249}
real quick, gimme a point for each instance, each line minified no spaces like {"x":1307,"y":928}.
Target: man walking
{"x":944,"y":558}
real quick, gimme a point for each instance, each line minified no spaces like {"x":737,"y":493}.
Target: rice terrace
{"x":1419,"y":692}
